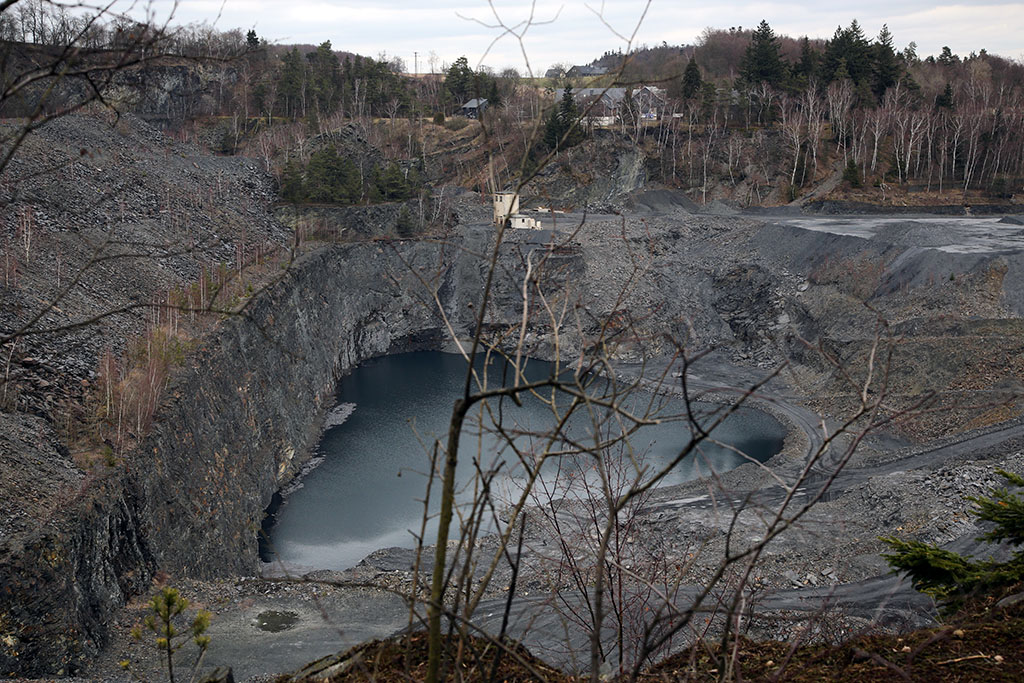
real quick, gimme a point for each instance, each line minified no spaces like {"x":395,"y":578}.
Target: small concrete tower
{"x":506,"y":204}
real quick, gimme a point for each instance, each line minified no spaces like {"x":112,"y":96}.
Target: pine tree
{"x":319,"y":172}
{"x":562,"y":129}
{"x":163,"y":620}
{"x":851,"y":47}
{"x":291,"y":183}
{"x":951,"y":577}
{"x":761,"y":62}
{"x":553,"y":130}
{"x":807,"y":68}
{"x":458,"y":80}
{"x":325,"y":77}
{"x":691,"y":80}
{"x":886,"y":68}
{"x":331,"y":178}
{"x":493,"y":95}
{"x":292,"y":81}
{"x":405,"y":224}
{"x":392,"y":184}
{"x":947,"y":58}
{"x":944,"y":100}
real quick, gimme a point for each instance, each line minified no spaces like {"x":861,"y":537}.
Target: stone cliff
{"x":238,"y":423}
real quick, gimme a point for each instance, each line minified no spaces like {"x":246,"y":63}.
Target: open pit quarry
{"x":812,"y":293}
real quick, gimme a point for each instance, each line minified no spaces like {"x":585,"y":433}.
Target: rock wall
{"x":241,"y":421}
{"x":237,"y":423}
{"x":61,"y":585}
{"x":165,"y":93}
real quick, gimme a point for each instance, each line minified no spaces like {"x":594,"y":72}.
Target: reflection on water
{"x":368,"y":491}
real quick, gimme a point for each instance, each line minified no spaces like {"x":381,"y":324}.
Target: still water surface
{"x":367,"y":492}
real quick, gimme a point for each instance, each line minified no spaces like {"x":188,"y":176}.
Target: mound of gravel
{"x":661,"y":202}
{"x":721,"y":208}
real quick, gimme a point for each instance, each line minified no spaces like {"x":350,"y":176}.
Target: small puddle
{"x":273,"y":621}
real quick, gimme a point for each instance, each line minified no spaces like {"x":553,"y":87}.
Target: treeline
{"x":330,"y":177}
{"x":45,"y":23}
{"x":887,"y":115}
{"x":318,"y":84}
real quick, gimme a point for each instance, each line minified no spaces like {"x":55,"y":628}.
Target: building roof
{"x":475,"y":103}
{"x":588,"y":70}
{"x":645,"y":95}
{"x":614,"y":94}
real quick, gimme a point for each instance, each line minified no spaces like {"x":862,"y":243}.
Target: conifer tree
{"x":886,"y":67}
{"x":405,"y":224}
{"x":944,"y":100}
{"x":292,"y":82}
{"x":458,"y":80}
{"x":691,"y":80}
{"x":851,"y":47}
{"x":762,"y":62}
{"x":951,"y":577}
{"x":562,"y":129}
{"x":325,"y":77}
{"x":291,"y":182}
{"x":807,"y":68}
{"x":494,"y":96}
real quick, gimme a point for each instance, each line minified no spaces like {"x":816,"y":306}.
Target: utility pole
{"x":415,"y":63}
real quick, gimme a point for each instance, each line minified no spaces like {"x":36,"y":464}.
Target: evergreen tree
{"x":320,"y":175}
{"x":851,"y":47}
{"x":331,"y":178}
{"x":291,"y":182}
{"x":562,"y":129}
{"x":325,"y":76}
{"x":252,"y":41}
{"x":392,"y":184}
{"x":762,"y":62}
{"x":291,"y":82}
{"x":851,"y":174}
{"x":459,"y":81}
{"x":944,"y":100}
{"x":886,"y":68}
{"x":405,"y":224}
{"x":841,"y":74}
{"x":691,"y":80}
{"x":807,"y":68}
{"x":947,"y":58}
{"x":909,"y":54}
{"x":951,"y":577}
{"x":494,"y":95}
{"x":553,"y":130}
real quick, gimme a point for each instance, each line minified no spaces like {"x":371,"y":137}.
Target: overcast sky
{"x":445,"y":28}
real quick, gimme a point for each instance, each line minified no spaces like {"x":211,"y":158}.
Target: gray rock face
{"x":237,"y":425}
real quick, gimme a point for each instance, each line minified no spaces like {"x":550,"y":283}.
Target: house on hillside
{"x":587,"y":71}
{"x":603,"y":106}
{"x":650,"y":102}
{"x":473,"y":109}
